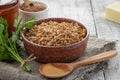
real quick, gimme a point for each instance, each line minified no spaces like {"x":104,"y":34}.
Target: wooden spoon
{"x":57,"y":70}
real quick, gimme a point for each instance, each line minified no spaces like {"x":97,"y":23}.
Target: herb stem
{"x":15,"y":56}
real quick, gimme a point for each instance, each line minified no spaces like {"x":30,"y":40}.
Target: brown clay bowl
{"x":10,"y":13}
{"x":47,"y":54}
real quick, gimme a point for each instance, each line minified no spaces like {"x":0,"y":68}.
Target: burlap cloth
{"x":10,"y":71}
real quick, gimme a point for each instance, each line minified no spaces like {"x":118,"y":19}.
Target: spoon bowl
{"x":57,"y":70}
{"x":60,"y":69}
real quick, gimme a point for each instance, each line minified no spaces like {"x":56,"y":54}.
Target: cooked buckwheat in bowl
{"x":56,"y":40}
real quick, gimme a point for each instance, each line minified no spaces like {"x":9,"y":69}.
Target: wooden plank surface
{"x":104,"y":28}
{"x":108,"y":30}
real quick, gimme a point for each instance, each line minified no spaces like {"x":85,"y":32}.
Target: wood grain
{"x":104,"y":28}
{"x":108,"y":30}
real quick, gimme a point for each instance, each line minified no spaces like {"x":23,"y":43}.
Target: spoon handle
{"x":97,"y":58}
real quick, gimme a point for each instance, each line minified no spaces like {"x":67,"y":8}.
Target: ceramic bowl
{"x":38,"y":15}
{"x":10,"y":13}
{"x":47,"y":54}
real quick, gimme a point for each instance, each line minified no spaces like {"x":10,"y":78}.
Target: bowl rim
{"x":64,"y":46}
{"x":46,"y":9}
{"x":10,"y":8}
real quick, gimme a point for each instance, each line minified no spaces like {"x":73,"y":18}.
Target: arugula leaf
{"x":3,"y":29}
{"x":4,"y":56}
{"x":3,"y":39}
{"x":1,"y":33}
{"x":5,"y":32}
{"x":8,"y":46}
{"x":29,"y":24}
{"x":17,"y":21}
{"x":3,"y":21}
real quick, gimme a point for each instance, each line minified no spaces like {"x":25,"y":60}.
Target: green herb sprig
{"x":8,"y":45}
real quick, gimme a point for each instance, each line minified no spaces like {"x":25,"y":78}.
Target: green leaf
{"x":5,"y":32}
{"x":14,"y":37}
{"x":8,"y":47}
{"x":16,"y":34}
{"x":4,"y":57}
{"x":3,"y":23}
{"x":29,"y":24}
{"x":17,"y":21}
{"x":1,"y":34}
{"x":2,"y":49}
{"x":1,"y":28}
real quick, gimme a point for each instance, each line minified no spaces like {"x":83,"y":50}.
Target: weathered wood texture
{"x":104,"y":28}
{"x":108,"y":30}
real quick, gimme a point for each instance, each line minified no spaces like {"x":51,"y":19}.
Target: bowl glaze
{"x":47,"y":54}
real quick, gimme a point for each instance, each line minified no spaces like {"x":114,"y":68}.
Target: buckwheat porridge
{"x":53,"y":33}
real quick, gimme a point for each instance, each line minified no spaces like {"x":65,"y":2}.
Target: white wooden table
{"x":91,"y":14}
